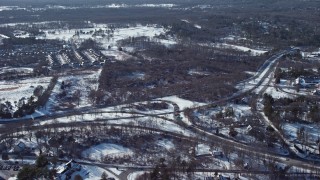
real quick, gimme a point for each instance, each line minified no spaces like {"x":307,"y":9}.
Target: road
{"x":260,"y":77}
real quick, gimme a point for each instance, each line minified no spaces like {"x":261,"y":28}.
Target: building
{"x":19,"y":147}
{"x":66,"y":171}
{"x":308,"y":81}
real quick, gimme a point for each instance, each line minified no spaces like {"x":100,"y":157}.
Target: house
{"x":3,"y":147}
{"x":66,"y":171}
{"x":19,"y":147}
{"x":217,"y":153}
{"x":308,"y":81}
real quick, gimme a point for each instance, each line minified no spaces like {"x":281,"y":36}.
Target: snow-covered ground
{"x":182,"y":103}
{"x":254,"y":52}
{"x":166,"y":143}
{"x":241,"y":110}
{"x":98,"y":152}
{"x":96,"y":172}
{"x":202,"y":149}
{"x":10,"y":8}
{"x":135,"y":175}
{"x":115,"y":171}
{"x":83,"y":83}
{"x":13,"y":91}
{"x":312,"y":131}
{"x":25,"y":70}
{"x":276,"y":93}
{"x":110,"y":39}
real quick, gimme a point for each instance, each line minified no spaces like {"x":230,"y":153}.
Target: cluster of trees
{"x":37,"y":171}
{"x":171,"y":72}
{"x":27,"y":106}
{"x":89,"y":44}
{"x":7,"y":109}
{"x":292,"y":110}
{"x":228,"y":112}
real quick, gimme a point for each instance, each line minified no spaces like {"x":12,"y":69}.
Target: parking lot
{"x":8,"y":169}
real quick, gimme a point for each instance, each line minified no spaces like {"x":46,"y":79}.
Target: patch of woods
{"x":38,"y":171}
{"x":27,"y":105}
{"x":301,"y":109}
{"x":193,"y":72}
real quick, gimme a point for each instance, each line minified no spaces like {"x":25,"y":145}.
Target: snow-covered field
{"x":13,"y":91}
{"x":10,"y":8}
{"x":98,"y":152}
{"x":202,"y":149}
{"x":110,"y":38}
{"x":253,"y":52}
{"x":182,"y":103}
{"x":241,"y":110}
{"x":135,"y":175}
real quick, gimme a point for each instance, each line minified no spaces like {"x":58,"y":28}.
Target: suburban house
{"x":66,"y":171}
{"x":19,"y":147}
{"x":308,"y":81}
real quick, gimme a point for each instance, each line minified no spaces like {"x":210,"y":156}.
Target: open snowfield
{"x":182,"y":103}
{"x":105,"y":149}
{"x":253,"y":52}
{"x":134,"y":175}
{"x":18,"y":69}
{"x":13,"y":91}
{"x":118,"y":34}
{"x":10,"y":8}
{"x":202,"y":149}
{"x":241,"y":110}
